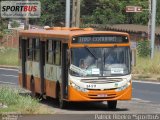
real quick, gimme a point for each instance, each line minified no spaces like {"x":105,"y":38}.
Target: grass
{"x":144,"y":66}
{"x":21,"y":104}
{"x":9,"y":56}
{"x":147,"y":66}
{"x":17,"y":103}
{"x":11,"y":98}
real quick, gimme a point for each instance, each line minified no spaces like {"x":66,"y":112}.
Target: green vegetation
{"x":16,"y":102}
{"x":8,"y":56}
{"x":113,"y":12}
{"x":144,"y":65}
{"x":15,"y":24}
{"x":53,"y":13}
{"x":92,"y":12}
{"x":1,"y":35}
{"x":143,"y":48}
{"x":21,"y":103}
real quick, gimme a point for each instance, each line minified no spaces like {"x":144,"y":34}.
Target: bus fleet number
{"x":91,"y":86}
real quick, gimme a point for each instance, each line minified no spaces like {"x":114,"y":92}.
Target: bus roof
{"x":63,"y":33}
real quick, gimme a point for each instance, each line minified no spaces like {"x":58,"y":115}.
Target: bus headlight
{"x":78,"y":87}
{"x":123,"y":87}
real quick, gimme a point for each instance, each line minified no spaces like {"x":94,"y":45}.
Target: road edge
{"x":134,"y":79}
{"x":9,"y":67}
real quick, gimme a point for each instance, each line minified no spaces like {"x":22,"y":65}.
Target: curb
{"x":10,"y":67}
{"x":16,"y":67}
{"x":156,"y":81}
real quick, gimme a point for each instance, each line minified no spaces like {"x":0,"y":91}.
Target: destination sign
{"x":100,"y":39}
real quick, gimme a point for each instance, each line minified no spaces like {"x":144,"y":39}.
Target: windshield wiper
{"x":91,"y":52}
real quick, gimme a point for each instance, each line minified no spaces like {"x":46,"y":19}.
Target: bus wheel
{"x":32,"y":87}
{"x":112,"y":104}
{"x":61,"y":102}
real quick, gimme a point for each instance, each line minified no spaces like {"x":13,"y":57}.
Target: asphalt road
{"x":146,"y":99}
{"x":8,"y":76}
{"x":147,"y":91}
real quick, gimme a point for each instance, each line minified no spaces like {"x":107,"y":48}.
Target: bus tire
{"x":112,"y":104}
{"x":62,"y":104}
{"x":32,"y":87}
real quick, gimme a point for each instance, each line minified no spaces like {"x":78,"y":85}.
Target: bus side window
{"x":30,"y":49}
{"x":58,"y":53}
{"x":49,"y":51}
{"x":36,"y":49}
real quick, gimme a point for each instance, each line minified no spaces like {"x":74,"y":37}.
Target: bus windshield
{"x":110,"y":61}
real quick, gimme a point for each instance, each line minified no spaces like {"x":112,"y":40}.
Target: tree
{"x":142,"y":17}
{"x":15,"y":24}
{"x":92,"y":12}
{"x":113,"y":12}
{"x":158,"y":13}
{"x":52,"y":12}
{"x":3,"y":24}
{"x":1,"y":35}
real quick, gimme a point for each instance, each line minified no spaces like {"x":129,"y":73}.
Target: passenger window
{"x":30,"y":49}
{"x":58,"y":53}
{"x":36,"y":49}
{"x":50,"y":52}
{"x":53,"y":49}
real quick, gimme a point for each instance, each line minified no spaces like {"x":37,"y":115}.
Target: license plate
{"x":102,"y":95}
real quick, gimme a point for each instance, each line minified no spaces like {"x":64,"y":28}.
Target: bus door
{"x":23,"y":61}
{"x":42,"y":63}
{"x":65,"y":63}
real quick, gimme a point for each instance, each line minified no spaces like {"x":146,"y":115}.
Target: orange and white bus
{"x":76,"y":65}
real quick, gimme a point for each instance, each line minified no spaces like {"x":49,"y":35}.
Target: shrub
{"x":15,"y":24}
{"x":16,"y":102}
{"x":1,"y":35}
{"x":147,"y":65}
{"x":143,"y":48}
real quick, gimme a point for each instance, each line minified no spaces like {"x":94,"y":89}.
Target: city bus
{"x":76,"y":65}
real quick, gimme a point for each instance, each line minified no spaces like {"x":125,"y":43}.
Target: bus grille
{"x":101,"y":81}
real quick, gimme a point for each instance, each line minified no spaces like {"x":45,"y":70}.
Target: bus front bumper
{"x":99,"y":95}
